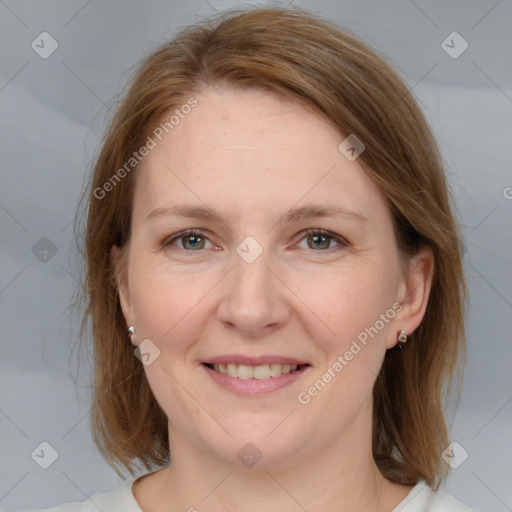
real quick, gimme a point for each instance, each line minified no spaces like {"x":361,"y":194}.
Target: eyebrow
{"x":293,"y":215}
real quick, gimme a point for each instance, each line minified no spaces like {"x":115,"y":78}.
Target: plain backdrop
{"x":53,"y":112}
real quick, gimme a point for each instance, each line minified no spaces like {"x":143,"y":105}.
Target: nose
{"x":254,"y":301}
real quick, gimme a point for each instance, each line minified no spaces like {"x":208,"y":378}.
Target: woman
{"x":269,"y":228}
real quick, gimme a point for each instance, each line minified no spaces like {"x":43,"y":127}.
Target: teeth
{"x":245,"y":372}
{"x":262,"y":372}
{"x":275,"y":369}
{"x":232,"y":370}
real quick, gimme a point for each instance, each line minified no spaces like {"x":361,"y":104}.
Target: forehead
{"x":251,"y":152}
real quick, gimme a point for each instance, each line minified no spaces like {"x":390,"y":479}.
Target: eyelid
{"x":341,"y":241}
{"x":168,"y":240}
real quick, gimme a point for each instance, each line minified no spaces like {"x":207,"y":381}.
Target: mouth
{"x":254,"y":376}
{"x":259,"y":372}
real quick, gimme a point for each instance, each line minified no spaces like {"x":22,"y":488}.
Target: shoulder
{"x":423,"y":499}
{"x":119,"y":500}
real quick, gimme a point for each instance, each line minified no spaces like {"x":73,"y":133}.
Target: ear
{"x":123,"y":289}
{"x":414,"y":293}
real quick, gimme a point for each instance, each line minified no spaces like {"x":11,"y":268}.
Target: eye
{"x":189,"y":240}
{"x":316,"y":239}
{"x":321,"y":240}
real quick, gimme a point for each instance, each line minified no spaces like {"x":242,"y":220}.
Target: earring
{"x":131,"y":330}
{"x":402,"y":338}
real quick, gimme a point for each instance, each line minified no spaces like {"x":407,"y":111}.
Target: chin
{"x":258,"y":441}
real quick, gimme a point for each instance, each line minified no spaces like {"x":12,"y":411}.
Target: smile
{"x":260,"y":372}
{"x":264,"y":376}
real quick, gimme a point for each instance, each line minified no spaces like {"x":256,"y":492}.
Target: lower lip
{"x":254,"y":387}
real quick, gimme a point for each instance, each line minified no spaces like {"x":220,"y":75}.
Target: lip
{"x":253,"y":360}
{"x":254,"y":387}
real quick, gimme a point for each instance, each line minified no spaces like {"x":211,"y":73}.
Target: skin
{"x":251,"y":156}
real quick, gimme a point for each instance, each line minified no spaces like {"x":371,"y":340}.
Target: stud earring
{"x":402,"y":339}
{"x":131,"y":330}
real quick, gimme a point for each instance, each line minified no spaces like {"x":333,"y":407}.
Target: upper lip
{"x":253,"y":360}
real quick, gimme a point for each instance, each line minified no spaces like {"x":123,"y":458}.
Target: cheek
{"x":355,"y":309}
{"x":166,"y":301}
{"x":169,"y":309}
{"x":350,"y":303}
{"x":340,"y":389}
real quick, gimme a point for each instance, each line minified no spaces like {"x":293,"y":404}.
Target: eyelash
{"x":342,"y":242}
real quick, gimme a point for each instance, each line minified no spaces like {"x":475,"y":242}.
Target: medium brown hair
{"x":295,"y":54}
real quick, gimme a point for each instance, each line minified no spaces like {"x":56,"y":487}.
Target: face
{"x":258,"y":249}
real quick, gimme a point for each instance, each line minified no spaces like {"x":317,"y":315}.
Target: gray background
{"x":52,"y":114}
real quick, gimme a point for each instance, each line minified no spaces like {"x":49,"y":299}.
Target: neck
{"x":339,"y":474}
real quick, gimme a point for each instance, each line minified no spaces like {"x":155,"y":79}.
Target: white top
{"x":121,"y":499}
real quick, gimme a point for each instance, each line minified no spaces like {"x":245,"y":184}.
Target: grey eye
{"x":319,"y":241}
{"x":192,"y":242}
